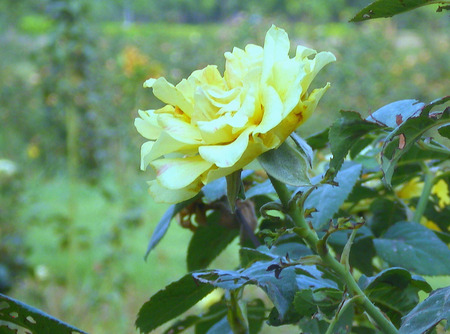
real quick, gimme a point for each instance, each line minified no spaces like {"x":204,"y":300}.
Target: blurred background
{"x":75,"y":216}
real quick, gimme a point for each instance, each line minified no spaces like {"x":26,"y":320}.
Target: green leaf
{"x":399,"y":141}
{"x":15,"y":312}
{"x":344,"y":133}
{"x":444,"y":131}
{"x":319,"y":140}
{"x":222,"y":326}
{"x":183,"y":324}
{"x":256,"y":314}
{"x":395,"y":291}
{"x":414,"y":247}
{"x":170,"y":302}
{"x":389,"y":8}
{"x":325,"y":300}
{"x":428,"y":314}
{"x":303,"y":147}
{"x":214,"y":314}
{"x":395,"y":113}
{"x":286,"y":164}
{"x":327,"y":199}
{"x":263,"y":188}
{"x":235,"y":189}
{"x":280,"y":290}
{"x":208,"y":242}
{"x":385,"y":214}
{"x":164,"y":224}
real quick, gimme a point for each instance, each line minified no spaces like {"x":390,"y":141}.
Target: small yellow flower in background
{"x":414,"y":187}
{"x":213,"y":126}
{"x":133,"y":59}
{"x":440,"y":189}
{"x":33,"y":151}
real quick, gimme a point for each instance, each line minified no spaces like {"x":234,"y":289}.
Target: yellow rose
{"x":212,"y":126}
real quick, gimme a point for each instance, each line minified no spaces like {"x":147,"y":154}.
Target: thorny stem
{"x":426,"y":191}
{"x":311,"y":238}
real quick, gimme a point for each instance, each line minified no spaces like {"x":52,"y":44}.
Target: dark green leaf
{"x":319,"y":140}
{"x":169,"y":303}
{"x":256,"y":314}
{"x":344,"y":133}
{"x":428,"y":314}
{"x":388,"y":8}
{"x":395,"y":291}
{"x":250,"y":255}
{"x":26,"y":316}
{"x":399,"y":141}
{"x":208,"y":242}
{"x":359,"y":146}
{"x":280,"y":290}
{"x":325,"y":300}
{"x":181,"y":325}
{"x":444,"y":131}
{"x":286,"y":164}
{"x":291,"y":317}
{"x":313,"y":326}
{"x":222,"y":327}
{"x":164,"y":224}
{"x":327,"y":199}
{"x":385,"y":214}
{"x":215,"y":313}
{"x":395,"y":113}
{"x":414,"y":247}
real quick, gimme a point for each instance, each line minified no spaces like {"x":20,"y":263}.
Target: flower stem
{"x":339,"y":312}
{"x":235,"y":315}
{"x":318,"y":245}
{"x":426,"y":191}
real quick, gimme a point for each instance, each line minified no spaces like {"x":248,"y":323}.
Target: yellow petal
{"x":169,"y":94}
{"x":254,"y":150}
{"x":313,"y":99}
{"x":226,"y":155}
{"x":276,"y":48}
{"x":273,"y":108}
{"x":164,"y":195}
{"x":179,"y":173}
{"x":320,"y":60}
{"x":180,"y":130}
{"x":164,"y":145}
{"x":145,"y":151}
{"x":147,"y":125}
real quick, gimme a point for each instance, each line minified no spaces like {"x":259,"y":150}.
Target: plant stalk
{"x":423,"y":200}
{"x":316,"y":244}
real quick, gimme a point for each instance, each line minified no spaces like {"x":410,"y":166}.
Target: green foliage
{"x":171,"y":302}
{"x":415,"y":248}
{"x":388,"y":8}
{"x":428,"y":314}
{"x":286,"y":164}
{"x":15,"y":312}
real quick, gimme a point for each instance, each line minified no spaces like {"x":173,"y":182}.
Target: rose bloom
{"x":212,"y":126}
